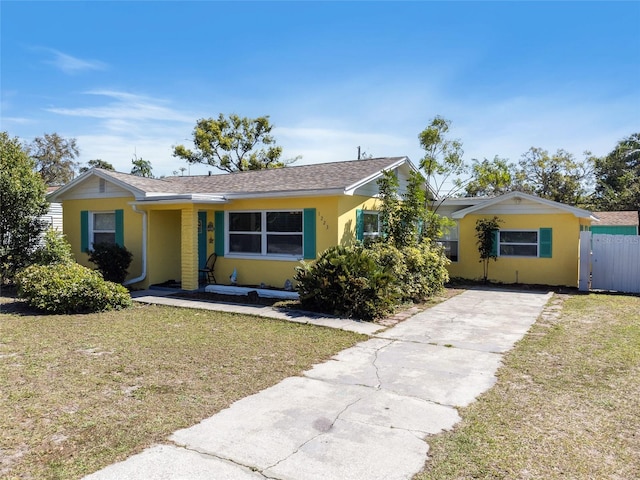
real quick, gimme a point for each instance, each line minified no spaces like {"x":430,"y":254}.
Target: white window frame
{"x":264,"y":234}
{"x":452,"y":236}
{"x":524,"y":230}
{"x":367,"y":236}
{"x":91,"y":226}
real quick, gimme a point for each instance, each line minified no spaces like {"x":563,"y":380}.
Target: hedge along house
{"x":259,"y":223}
{"x":538,"y":241}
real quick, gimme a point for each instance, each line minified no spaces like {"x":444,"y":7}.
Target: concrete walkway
{"x":365,"y":413}
{"x":163,"y":297}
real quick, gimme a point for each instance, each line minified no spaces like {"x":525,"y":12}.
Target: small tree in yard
{"x":485,"y":235}
{"x":22,"y":204}
{"x":402,"y":218}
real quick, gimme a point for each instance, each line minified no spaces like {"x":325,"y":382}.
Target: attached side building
{"x":538,"y":241}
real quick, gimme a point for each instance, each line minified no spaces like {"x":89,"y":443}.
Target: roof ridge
{"x":321,"y":164}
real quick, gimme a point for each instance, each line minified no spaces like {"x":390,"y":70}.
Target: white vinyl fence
{"x":611,"y":262}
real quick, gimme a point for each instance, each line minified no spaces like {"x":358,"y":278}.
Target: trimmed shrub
{"x":347,"y":281}
{"x":426,"y":271}
{"x":70,"y":288}
{"x":419,"y":272}
{"x":54,"y":249}
{"x":112,"y":261}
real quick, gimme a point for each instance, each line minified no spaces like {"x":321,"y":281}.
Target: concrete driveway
{"x":365,"y":413}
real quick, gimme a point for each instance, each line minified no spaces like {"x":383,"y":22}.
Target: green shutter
{"x":495,"y":243}
{"x":120,"y":227}
{"x":309,"y":233}
{"x":84,"y":230}
{"x":545,"y":243}
{"x":219,"y":226}
{"x":359,"y":225}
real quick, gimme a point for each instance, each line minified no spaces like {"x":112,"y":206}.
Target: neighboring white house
{"x":53,"y":217}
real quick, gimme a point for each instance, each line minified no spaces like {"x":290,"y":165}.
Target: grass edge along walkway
{"x":565,"y":405}
{"x":79,"y":392}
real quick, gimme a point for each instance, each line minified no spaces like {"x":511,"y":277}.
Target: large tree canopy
{"x":559,"y":177}
{"x":233,"y":144}
{"x":490,"y":178}
{"x":141,"y":167}
{"x":97,"y":163}
{"x":618,"y":177}
{"x":54,"y":157}
{"x":23,"y":202}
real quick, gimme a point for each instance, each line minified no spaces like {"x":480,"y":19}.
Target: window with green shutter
{"x":267,"y":234}
{"x":101,"y":227}
{"x":545,"y":242}
{"x":367,"y":224}
{"x":524,"y":243}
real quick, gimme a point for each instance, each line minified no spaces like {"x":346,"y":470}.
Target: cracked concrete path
{"x":364,"y":414}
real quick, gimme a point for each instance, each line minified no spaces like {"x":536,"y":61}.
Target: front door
{"x":202,"y":239}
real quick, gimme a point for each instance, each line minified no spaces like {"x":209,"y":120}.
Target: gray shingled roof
{"x":324,"y":176}
{"x":149,"y":185}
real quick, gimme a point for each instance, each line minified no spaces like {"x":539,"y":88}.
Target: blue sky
{"x":127,"y":78}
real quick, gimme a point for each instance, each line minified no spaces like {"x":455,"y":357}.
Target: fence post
{"x":584,"y":261}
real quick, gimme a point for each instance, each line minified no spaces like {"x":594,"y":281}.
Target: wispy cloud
{"x":126,"y":107}
{"x":124,"y":123}
{"x":72,"y":65}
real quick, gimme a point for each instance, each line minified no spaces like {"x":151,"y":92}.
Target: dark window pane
{"x":247,"y":243}
{"x":284,"y":221}
{"x":518,"y":237}
{"x":244,"y":222}
{"x":370,"y":221}
{"x":284,"y":244}
{"x":104,"y":238}
{"x":518,"y":250}
{"x":450,"y":249}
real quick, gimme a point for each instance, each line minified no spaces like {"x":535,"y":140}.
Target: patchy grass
{"x":566,"y":404}
{"x":78,"y":392}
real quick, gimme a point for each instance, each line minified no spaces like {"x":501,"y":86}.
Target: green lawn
{"x":566,"y":405}
{"x":78,"y":392}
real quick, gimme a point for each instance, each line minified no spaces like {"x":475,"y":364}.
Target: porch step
{"x":262,"y":292}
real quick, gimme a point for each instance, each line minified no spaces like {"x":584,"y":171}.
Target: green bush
{"x":426,"y":270}
{"x":347,"y":281}
{"x":419,"y":272}
{"x":69,"y":288}
{"x":54,"y":249}
{"x":112,"y":261}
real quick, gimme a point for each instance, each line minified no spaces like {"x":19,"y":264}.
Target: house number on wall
{"x":324,"y":222}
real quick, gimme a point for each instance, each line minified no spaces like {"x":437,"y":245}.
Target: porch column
{"x":189,"y":242}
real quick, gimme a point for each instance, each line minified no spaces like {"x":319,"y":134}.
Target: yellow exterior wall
{"x":164,"y":247}
{"x":560,"y":269}
{"x":347,"y":207}
{"x":132,"y":228}
{"x":273,"y":272}
{"x":335,"y":224}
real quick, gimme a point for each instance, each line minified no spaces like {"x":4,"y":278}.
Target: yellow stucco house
{"x":259,"y":223}
{"x":538,"y":241}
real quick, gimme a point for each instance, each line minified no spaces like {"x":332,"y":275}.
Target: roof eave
{"x":349,"y":190}
{"x":577,"y":212}
{"x":172,"y":199}
{"x":55,"y":196}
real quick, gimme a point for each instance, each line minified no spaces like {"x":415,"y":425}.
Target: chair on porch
{"x":207,"y":270}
